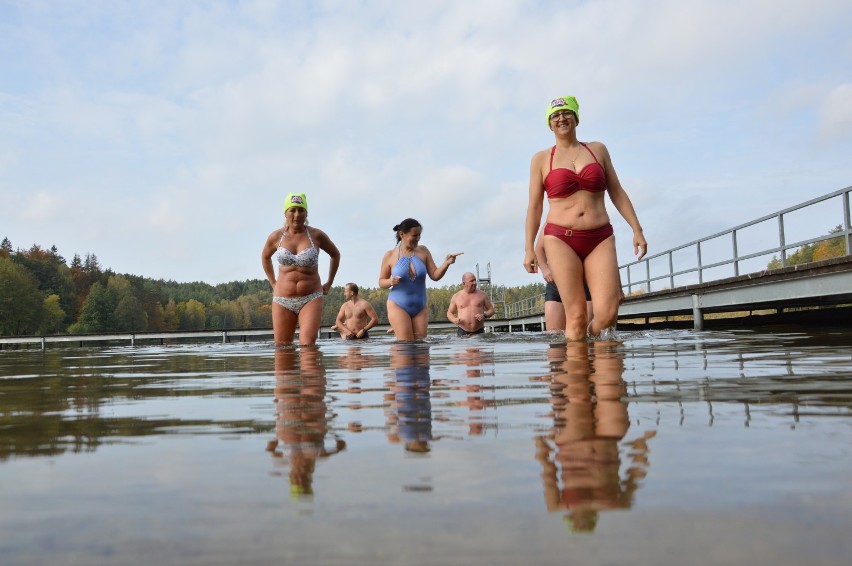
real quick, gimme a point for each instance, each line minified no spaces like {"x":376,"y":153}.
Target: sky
{"x":163,"y":136}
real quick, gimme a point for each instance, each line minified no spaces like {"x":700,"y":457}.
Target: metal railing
{"x":535,"y":305}
{"x":525,"y":307}
{"x":631,"y":285}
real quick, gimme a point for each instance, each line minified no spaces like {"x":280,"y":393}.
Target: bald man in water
{"x":469,"y":308}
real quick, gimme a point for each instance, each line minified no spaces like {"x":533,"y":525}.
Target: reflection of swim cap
{"x":296,"y":199}
{"x":563,"y":103}
{"x":581,"y":521}
{"x":299,"y":491}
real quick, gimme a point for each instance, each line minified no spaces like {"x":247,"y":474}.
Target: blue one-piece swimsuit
{"x":409,"y":294}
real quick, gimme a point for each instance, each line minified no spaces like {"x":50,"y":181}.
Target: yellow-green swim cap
{"x":563,"y":103}
{"x":296,"y":199}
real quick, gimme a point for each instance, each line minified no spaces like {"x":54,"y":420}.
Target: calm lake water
{"x":663,"y":447}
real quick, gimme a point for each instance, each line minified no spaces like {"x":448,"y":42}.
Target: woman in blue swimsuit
{"x":404,"y":270}
{"x":297,"y":291}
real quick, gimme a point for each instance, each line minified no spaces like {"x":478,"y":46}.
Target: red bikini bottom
{"x":581,"y":241}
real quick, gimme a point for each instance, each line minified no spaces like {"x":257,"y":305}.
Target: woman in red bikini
{"x":578,"y":237}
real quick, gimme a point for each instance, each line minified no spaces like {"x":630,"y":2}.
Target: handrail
{"x":644,"y":284}
{"x":525,"y":307}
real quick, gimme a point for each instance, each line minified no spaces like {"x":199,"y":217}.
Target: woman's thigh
{"x":283,"y":324}
{"x":403,"y":327}
{"x":310,"y":319}
{"x":601,"y":269}
{"x":420,"y":323}
{"x":567,"y":272}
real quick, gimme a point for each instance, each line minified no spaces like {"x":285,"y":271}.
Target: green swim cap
{"x":563,"y":103}
{"x":296,"y":199}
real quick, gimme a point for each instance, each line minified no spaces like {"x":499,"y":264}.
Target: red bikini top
{"x":562,"y":183}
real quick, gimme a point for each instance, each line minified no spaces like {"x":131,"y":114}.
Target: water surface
{"x":663,"y":447}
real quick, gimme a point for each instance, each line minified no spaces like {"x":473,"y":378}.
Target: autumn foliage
{"x":818,"y":251}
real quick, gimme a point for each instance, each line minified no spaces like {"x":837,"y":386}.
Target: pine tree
{"x":91,"y":265}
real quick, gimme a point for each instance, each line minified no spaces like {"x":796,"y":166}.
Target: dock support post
{"x":698,"y":318}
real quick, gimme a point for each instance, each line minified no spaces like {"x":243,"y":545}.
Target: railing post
{"x":782,"y":240}
{"x":648,"y":274}
{"x":736,"y":253}
{"x":700,"y":265}
{"x":671,"y":272}
{"x":846,"y":222}
{"x":697,"y":317}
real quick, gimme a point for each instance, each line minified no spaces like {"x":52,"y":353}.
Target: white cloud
{"x":42,"y":207}
{"x":835,"y":114}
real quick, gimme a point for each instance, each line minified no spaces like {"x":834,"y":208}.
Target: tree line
{"x":42,"y":294}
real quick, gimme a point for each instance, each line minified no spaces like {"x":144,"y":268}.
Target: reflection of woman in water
{"x":302,"y":417}
{"x":410,"y":418}
{"x":582,"y":457}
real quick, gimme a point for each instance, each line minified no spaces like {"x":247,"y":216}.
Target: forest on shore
{"x":42,"y":294}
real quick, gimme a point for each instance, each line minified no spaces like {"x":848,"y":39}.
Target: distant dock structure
{"x":497,"y":296}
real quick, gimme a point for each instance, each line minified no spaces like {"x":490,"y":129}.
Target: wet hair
{"x":404,"y":227}
{"x":352,"y":287}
